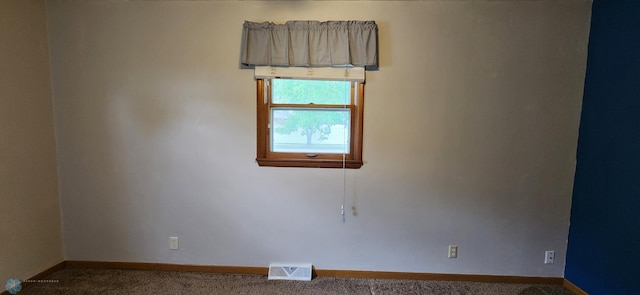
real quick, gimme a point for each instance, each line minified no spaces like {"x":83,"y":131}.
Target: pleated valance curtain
{"x":310,"y":44}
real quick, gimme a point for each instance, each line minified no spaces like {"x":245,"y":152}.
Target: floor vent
{"x":296,"y":272}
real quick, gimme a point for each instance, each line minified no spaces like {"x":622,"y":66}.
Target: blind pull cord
{"x":344,"y":160}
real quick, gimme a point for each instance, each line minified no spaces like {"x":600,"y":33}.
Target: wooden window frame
{"x":352,"y":160}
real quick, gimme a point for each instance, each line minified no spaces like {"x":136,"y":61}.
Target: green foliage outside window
{"x":310,"y":122}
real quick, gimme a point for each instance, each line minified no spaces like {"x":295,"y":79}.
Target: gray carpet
{"x":133,"y":282}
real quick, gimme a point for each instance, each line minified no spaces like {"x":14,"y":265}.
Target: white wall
{"x":29,"y":201}
{"x":470,"y":137}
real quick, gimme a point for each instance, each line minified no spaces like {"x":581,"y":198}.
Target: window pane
{"x":310,"y":131}
{"x":311,"y":91}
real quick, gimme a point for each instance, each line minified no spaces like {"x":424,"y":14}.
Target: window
{"x":309,"y":122}
{"x":310,"y":89}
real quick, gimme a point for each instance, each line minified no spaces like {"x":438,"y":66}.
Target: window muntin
{"x":309,"y":123}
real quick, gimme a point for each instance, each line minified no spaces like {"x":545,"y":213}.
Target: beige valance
{"x":310,"y":44}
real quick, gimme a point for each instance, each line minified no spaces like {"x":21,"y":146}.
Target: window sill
{"x":309,"y":163}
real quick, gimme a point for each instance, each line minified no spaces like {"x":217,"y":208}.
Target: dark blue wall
{"x":604,"y":237}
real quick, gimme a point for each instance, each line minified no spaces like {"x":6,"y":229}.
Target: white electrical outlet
{"x":549,"y":256}
{"x":173,"y":243}
{"x":453,"y":251}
